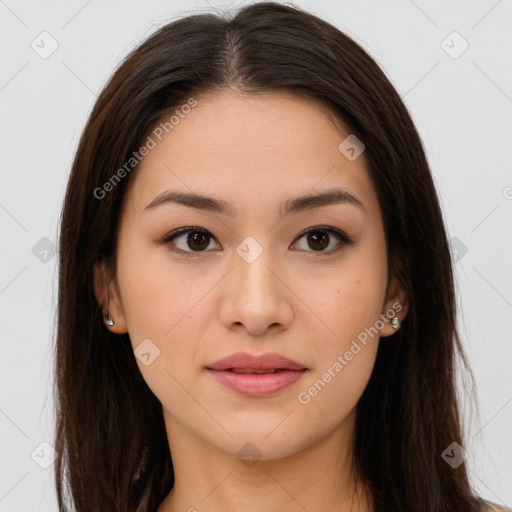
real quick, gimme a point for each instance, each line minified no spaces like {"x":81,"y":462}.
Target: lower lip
{"x":257,"y":384}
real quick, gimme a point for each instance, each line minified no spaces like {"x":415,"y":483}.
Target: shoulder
{"x":493,"y":507}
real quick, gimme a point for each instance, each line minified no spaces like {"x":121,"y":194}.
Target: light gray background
{"x":462,"y":107}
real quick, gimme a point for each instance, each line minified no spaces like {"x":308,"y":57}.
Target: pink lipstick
{"x":257,"y":375}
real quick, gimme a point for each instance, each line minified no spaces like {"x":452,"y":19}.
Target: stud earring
{"x":395,"y":322}
{"x":107,"y":320}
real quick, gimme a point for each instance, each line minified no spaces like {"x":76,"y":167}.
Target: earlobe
{"x":395,"y":311}
{"x":112,"y":314}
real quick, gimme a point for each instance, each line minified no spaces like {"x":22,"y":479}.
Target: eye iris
{"x":318,"y":239}
{"x":196,"y":236}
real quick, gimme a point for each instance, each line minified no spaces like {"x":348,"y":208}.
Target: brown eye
{"x":319,"y":238}
{"x":191,"y":240}
{"x":198,"y":241}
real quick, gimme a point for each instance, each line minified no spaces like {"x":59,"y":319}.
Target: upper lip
{"x":245,"y":361}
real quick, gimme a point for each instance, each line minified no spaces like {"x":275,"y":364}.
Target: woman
{"x":256,"y":302}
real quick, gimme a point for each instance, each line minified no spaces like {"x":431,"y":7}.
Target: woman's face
{"x":248,"y":279}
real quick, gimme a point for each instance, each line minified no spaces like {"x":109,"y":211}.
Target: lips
{"x":256,"y":376}
{"x":263,"y":362}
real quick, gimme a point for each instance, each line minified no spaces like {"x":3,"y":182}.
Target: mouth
{"x":256,"y":376}
{"x":244,"y":362}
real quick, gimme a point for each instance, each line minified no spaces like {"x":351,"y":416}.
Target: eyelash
{"x":339,"y":235}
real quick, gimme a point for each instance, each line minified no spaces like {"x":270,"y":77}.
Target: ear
{"x":396,"y":304}
{"x":108,"y":298}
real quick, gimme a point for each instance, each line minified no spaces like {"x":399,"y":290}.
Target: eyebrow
{"x":291,"y":206}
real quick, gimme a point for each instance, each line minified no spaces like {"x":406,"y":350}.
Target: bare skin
{"x":294,"y":299}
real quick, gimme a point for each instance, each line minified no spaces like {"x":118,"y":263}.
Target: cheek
{"x":157,"y":296}
{"x":344,"y":360}
{"x":159,"y":306}
{"x":351,"y":300}
{"x":169,"y":304}
{"x":349,"y":304}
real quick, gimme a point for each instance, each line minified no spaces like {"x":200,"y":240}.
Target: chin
{"x":256,"y":444}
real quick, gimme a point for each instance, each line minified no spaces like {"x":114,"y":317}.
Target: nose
{"x":256,"y":297}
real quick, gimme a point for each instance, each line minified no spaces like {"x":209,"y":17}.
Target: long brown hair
{"x":113,"y":453}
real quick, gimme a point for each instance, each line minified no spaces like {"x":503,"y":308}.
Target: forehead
{"x":250,"y":149}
